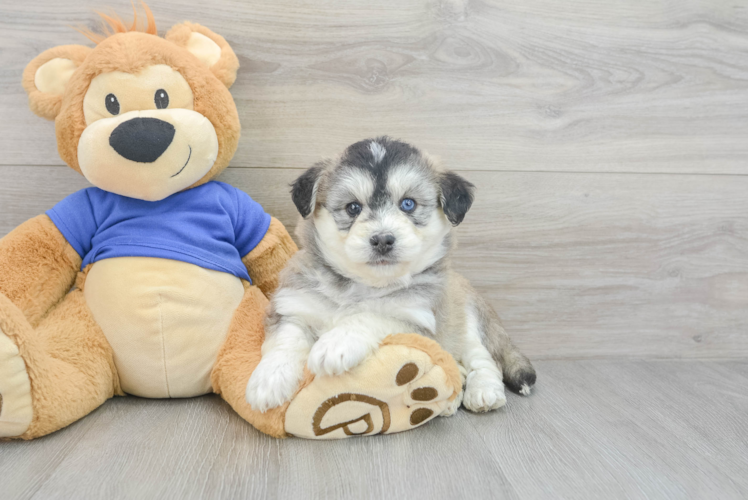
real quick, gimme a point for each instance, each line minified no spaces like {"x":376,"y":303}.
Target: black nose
{"x":142,"y":139}
{"x":383,"y":243}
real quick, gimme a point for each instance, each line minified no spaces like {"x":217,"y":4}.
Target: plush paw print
{"x":396,"y":389}
{"x":409,"y":375}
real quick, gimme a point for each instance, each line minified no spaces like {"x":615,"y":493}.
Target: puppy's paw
{"x":273,"y":382}
{"x":484,"y":391}
{"x":339,"y":351}
{"x":453,"y":406}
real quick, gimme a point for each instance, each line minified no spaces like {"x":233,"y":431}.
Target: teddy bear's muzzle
{"x":142,"y":140}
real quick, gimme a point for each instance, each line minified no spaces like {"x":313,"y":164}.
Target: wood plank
{"x":188,"y":448}
{"x":596,"y":86}
{"x":578,"y":265}
{"x":584,"y":265}
{"x":593,"y":429}
{"x":27,"y":466}
{"x":621,"y":429}
{"x":710,"y":387}
{"x":396,"y":466}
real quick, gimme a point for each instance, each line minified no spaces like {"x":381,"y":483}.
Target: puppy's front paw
{"x":339,"y":351}
{"x":273,"y":382}
{"x":453,"y":405}
{"x":483,"y":392}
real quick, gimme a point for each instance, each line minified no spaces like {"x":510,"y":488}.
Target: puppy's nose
{"x":383,"y":243}
{"x":142,"y":139}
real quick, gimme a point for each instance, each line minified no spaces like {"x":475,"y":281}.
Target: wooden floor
{"x":609,"y":143}
{"x":594,"y":429}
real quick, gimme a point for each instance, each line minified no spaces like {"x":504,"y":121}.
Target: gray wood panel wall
{"x":609,"y":141}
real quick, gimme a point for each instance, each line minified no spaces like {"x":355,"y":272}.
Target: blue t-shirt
{"x":212,"y":226}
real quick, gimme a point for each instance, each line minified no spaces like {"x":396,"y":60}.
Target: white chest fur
{"x":385,"y":314}
{"x":165,"y":320}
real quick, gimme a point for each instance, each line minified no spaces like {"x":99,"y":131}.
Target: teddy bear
{"x":154,"y":281}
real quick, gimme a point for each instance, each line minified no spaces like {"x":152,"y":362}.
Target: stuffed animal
{"x":154,"y":281}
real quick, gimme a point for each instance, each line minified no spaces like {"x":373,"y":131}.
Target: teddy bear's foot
{"x":15,"y":390}
{"x":408,"y":381}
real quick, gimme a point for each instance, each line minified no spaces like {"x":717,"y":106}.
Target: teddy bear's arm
{"x":268,"y":258}
{"x":37,"y":267}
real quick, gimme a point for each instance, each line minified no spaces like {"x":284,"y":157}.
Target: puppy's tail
{"x":519,"y":374}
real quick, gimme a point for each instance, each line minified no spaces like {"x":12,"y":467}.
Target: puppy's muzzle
{"x":142,"y":140}
{"x":382,"y":243}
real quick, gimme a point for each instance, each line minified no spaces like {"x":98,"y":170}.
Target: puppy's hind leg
{"x":519,"y":374}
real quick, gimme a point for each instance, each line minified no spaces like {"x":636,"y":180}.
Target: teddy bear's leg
{"x":239,"y":356}
{"x":54,"y":374}
{"x":37,"y":267}
{"x":407,"y":382}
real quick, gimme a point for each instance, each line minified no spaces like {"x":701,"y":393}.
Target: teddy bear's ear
{"x":47,"y":74}
{"x":210,"y":48}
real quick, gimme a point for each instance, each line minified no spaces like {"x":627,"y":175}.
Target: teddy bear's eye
{"x":112,"y":104}
{"x":161,"y":99}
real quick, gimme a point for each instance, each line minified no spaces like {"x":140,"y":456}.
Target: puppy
{"x":377,"y":237}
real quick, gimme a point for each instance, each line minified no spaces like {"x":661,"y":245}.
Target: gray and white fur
{"x":373,"y":264}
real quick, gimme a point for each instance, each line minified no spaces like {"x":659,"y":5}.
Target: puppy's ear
{"x":304,"y":189}
{"x":46,"y":76}
{"x":456,"y":196}
{"x":210,"y":48}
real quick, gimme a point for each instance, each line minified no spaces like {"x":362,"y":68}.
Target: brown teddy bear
{"x":154,"y":281}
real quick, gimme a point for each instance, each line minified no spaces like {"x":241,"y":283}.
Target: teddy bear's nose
{"x":142,"y":139}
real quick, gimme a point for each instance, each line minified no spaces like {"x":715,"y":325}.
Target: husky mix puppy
{"x":377,"y":238}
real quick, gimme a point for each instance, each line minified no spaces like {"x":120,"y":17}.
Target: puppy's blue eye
{"x":407,"y":205}
{"x":353,"y":209}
